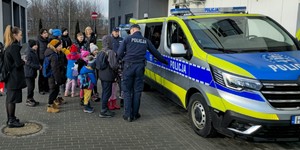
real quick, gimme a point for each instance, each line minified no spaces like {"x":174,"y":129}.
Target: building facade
{"x":13,"y":12}
{"x":120,"y":11}
{"x":285,"y":12}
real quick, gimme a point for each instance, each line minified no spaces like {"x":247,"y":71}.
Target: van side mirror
{"x":177,"y":50}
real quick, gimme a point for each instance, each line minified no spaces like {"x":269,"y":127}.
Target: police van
{"x":237,"y":74}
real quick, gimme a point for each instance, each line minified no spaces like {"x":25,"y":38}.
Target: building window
{"x":153,"y":33}
{"x":6,"y":9}
{"x":119,"y":20}
{"x":112,"y":23}
{"x":23,"y":23}
{"x":16,"y":14}
{"x":127,"y":18}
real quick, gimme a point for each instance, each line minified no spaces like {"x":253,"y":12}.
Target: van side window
{"x":176,"y":35}
{"x":153,"y":33}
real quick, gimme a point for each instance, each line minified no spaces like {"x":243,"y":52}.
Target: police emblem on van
{"x":281,"y":62}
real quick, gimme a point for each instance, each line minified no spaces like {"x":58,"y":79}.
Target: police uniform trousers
{"x":132,"y":86}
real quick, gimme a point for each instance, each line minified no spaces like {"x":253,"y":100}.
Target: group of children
{"x":80,"y":72}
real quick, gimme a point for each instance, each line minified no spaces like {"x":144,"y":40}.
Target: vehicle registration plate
{"x":295,"y":120}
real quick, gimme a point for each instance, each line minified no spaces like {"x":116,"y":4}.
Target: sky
{"x":104,"y":7}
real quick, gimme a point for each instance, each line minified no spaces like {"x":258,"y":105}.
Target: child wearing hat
{"x":32,"y":65}
{"x":87,"y":82}
{"x":72,"y":71}
{"x":94,"y":52}
{"x":58,"y":76}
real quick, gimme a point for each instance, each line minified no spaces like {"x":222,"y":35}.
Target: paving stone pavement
{"x":163,"y":125}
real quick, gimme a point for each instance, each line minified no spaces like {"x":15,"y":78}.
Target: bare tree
{"x":55,"y":14}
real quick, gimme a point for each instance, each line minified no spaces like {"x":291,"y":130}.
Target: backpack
{"x":4,"y":72}
{"x":47,"y":71}
{"x":85,"y":81}
{"x":101,"y":60}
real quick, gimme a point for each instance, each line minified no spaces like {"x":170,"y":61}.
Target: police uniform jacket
{"x":116,"y":41}
{"x":133,"y":49}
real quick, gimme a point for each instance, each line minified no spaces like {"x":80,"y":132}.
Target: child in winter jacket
{"x":87,"y":82}
{"x":72,"y":71}
{"x":32,"y":65}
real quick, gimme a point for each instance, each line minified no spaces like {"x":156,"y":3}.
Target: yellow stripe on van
{"x":177,"y":90}
{"x":216,"y":102}
{"x":248,"y":112}
{"x":225,"y":65}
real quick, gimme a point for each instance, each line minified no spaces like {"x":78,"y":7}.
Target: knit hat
{"x":55,"y":43}
{"x":56,"y":32}
{"x":73,"y":48}
{"x":93,"y":47}
{"x":31,"y":43}
{"x":84,"y":53}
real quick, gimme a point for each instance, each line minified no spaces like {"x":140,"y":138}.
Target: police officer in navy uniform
{"x":132,"y":51}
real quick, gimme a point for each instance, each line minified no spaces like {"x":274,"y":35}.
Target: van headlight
{"x":235,"y":82}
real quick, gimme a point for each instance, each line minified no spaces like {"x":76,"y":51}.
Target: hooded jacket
{"x":57,"y":66}
{"x":110,"y":73}
{"x":32,"y":63}
{"x":91,"y":73}
{"x":66,"y":41}
{"x":82,"y":45}
{"x":72,"y":58}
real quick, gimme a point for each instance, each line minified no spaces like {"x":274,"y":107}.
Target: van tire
{"x":200,"y":116}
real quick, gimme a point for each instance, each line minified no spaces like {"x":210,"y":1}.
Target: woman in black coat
{"x":16,"y":80}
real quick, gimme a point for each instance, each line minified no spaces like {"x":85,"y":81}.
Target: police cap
{"x":135,"y":26}
{"x":116,"y":29}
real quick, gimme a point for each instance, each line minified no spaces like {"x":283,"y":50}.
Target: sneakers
{"x":129,"y":119}
{"x":107,"y":114}
{"x":137,"y":116}
{"x":52,"y":109}
{"x":88,"y":109}
{"x":66,"y":94}
{"x":31,"y":102}
{"x":14,"y":123}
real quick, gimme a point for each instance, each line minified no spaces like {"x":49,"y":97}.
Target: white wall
{"x":284,"y":12}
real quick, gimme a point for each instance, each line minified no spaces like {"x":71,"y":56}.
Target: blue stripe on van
{"x":196,"y":73}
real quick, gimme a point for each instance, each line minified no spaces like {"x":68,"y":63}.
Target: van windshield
{"x":240,"y":34}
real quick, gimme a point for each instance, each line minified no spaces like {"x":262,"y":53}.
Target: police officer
{"x":132,"y":52}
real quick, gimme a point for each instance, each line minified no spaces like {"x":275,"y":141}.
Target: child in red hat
{"x":72,"y":70}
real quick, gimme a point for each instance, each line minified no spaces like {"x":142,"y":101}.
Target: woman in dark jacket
{"x":42,"y":46}
{"x":58,"y":76}
{"x":16,"y":80}
{"x":31,"y":66}
{"x":107,"y":76}
{"x":90,"y":36}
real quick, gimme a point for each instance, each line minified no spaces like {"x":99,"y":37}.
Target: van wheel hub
{"x":198,"y":115}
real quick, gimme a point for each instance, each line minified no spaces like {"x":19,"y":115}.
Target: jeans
{"x":132,"y":86}
{"x":30,"y":87}
{"x":106,"y":92}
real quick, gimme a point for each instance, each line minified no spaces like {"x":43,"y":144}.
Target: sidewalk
{"x":163,"y":125}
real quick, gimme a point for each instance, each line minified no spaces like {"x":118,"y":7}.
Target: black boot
{"x":14,"y":123}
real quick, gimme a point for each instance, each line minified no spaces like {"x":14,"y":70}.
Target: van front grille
{"x":282,"y":95}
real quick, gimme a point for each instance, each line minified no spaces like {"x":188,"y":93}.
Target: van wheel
{"x":200,"y":116}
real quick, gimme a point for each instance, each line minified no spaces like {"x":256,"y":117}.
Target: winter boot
{"x":52,"y":109}
{"x":114,"y":103}
{"x":110,"y":105}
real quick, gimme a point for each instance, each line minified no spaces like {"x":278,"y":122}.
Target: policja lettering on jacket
{"x":136,"y":40}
